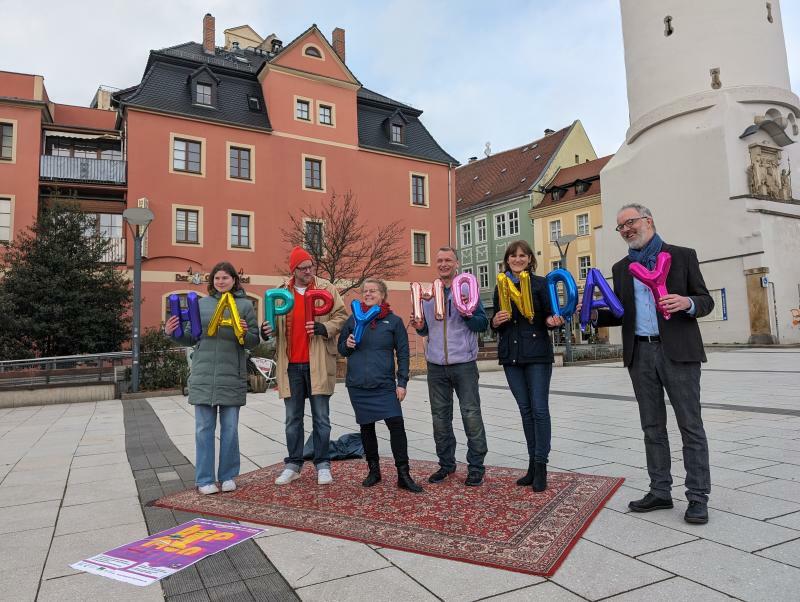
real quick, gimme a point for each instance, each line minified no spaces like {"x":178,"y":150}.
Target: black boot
{"x":539,"y":476}
{"x":404,"y":480}
{"x":528,"y":478}
{"x":374,"y":476}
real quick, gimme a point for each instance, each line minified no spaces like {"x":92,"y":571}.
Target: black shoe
{"x":404,"y":480}
{"x":696,"y":513}
{"x":649,"y":503}
{"x":539,"y":476}
{"x":474,"y":478}
{"x":374,"y":476}
{"x":440,"y":475}
{"x":528,"y":478}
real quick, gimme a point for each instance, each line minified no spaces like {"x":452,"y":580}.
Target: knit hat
{"x":298,"y":256}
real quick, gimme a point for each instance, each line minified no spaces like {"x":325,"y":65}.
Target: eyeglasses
{"x":627,"y":224}
{"x":307,"y":268}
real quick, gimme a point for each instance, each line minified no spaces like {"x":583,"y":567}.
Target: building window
{"x":240,"y":230}
{"x":253,"y":103}
{"x":556,"y":265}
{"x":466,"y":234}
{"x":480,"y":229}
{"x":500,"y":225}
{"x":499,"y":267}
{"x":513,"y":222}
{"x":186,"y":156}
{"x":313,"y":237}
{"x":584,"y":263}
{"x":5,"y":220}
{"x":204,"y":94}
{"x":186,"y":221}
{"x":397,"y":133}
{"x":6,"y":141}
{"x":556,"y":193}
{"x":418,"y":190}
{"x":583,"y":224}
{"x":302,"y":110}
{"x":313,"y":174}
{"x":313,"y":51}
{"x":467,"y":270}
{"x":420,"y":250}
{"x":240,"y":163}
{"x":555,"y":230}
{"x":581,"y":187}
{"x":326,"y":114}
{"x":483,"y":276}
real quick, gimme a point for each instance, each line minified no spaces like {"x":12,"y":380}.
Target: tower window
{"x":769,"y":12}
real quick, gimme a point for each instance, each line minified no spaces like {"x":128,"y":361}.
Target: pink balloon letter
{"x":655,"y":280}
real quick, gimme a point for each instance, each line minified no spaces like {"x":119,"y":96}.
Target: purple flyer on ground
{"x":148,"y":560}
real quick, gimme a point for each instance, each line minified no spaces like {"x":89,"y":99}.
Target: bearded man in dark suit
{"x":664,"y":355}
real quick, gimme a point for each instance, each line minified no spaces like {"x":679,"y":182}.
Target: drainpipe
{"x":775,"y":311}
{"x":449,"y":205}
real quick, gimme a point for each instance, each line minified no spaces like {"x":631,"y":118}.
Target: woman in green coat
{"x":218,"y":381}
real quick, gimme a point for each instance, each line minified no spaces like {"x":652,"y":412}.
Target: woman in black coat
{"x":374,"y":388}
{"x":526,"y":354}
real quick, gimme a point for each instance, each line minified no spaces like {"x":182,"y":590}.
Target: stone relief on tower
{"x":765,"y":176}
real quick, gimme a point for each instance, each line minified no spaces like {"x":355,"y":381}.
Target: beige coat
{"x":322,"y":352}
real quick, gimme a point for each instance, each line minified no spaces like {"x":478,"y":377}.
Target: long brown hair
{"x":228,"y":268}
{"x":519,"y":245}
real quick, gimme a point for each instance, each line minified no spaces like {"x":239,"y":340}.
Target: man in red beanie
{"x":306,"y":349}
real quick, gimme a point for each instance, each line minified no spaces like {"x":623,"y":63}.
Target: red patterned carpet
{"x":498,"y":524}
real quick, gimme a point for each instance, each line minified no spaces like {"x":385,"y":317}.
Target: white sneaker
{"x":287,"y":476}
{"x":324,"y":476}
{"x":229,"y":485}
{"x":208,"y":489}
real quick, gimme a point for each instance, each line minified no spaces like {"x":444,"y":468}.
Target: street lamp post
{"x":138,"y":219}
{"x":565,"y":240}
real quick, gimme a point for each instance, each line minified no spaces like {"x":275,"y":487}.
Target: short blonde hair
{"x":379,"y":283}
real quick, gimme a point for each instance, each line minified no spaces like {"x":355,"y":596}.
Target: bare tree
{"x":346,"y":249}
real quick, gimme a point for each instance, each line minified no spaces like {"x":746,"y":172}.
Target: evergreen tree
{"x":61,"y":297}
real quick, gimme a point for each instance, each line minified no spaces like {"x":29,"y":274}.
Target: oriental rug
{"x":498,"y":524}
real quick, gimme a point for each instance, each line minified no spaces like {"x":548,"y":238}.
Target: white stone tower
{"x":711,"y":147}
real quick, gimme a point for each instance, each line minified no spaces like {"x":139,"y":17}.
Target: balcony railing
{"x":115,"y":253}
{"x":101,"y":171}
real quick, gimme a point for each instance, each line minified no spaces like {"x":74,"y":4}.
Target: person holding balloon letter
{"x":522,"y":316}
{"x":663,"y":293}
{"x":452,"y":319}
{"x":370,"y":340}
{"x":305,"y":325}
{"x":222,"y":326}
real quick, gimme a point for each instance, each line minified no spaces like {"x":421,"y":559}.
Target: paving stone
{"x":56,"y":475}
{"x":98,"y":515}
{"x":100,"y":491}
{"x":25,"y":549}
{"x":777,"y":488}
{"x":749,"y":504}
{"x":29,"y":516}
{"x":787,"y":553}
{"x":394,"y":585}
{"x":788,"y":520}
{"x":731,"y":571}
{"x":15,"y":495}
{"x":581,"y":570}
{"x":23,"y":581}
{"x":84,"y":586}
{"x":788,"y":472}
{"x":305,"y":558}
{"x":68,"y":549}
{"x":116,"y":457}
{"x":629,"y":535}
{"x":103,"y":472}
{"x":270,"y":588}
{"x":544,"y":592}
{"x":183,"y":582}
{"x":451,"y":580}
{"x":672,"y":590}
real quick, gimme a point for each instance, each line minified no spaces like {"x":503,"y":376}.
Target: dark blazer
{"x":680,"y":335}
{"x":523,"y":342}
{"x":371,"y":365}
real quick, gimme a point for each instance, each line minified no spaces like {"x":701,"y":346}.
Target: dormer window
{"x":314,"y":52}
{"x":203,"y":94}
{"x":397,"y":133}
{"x":253,"y":103}
{"x":556,"y":193}
{"x":581,"y":187}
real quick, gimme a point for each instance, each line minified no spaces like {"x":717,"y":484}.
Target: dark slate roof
{"x":507,"y":174}
{"x":371,"y":97}
{"x":165,"y":87}
{"x":192,"y":51}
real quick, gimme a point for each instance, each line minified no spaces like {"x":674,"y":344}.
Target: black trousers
{"x":397,"y":439}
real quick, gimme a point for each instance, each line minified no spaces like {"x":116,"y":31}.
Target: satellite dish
{"x":488,"y":150}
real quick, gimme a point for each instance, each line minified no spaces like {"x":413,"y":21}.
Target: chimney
{"x":473,"y":159}
{"x":548,"y":131}
{"x":338,"y":42}
{"x":208,"y":34}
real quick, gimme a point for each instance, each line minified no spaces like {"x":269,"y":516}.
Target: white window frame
{"x":483,"y":273}
{"x":250,"y":230}
{"x":427,"y":235}
{"x":480,"y":228}
{"x":466,"y":234}
{"x":500,"y":220}
{"x":584,"y":271}
{"x":513,"y":220}
{"x":499,"y":267}
{"x":582,"y":229}
{"x":10,"y":198}
{"x":550,"y":229}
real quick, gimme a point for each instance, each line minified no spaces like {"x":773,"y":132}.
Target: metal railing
{"x":115,"y":252}
{"x":64,"y":370}
{"x":103,"y":171}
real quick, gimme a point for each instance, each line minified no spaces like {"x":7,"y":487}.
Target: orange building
{"x":222,"y":144}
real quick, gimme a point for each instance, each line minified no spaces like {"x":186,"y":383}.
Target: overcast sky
{"x":498,"y":71}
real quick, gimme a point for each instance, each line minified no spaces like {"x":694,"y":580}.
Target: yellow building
{"x":569,"y":203}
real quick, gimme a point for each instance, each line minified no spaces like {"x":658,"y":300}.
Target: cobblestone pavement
{"x":68,"y":490}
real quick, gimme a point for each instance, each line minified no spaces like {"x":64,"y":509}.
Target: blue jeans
{"x":530,"y":385}
{"x":463,"y":379}
{"x":300,"y":387}
{"x":205,"y":424}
